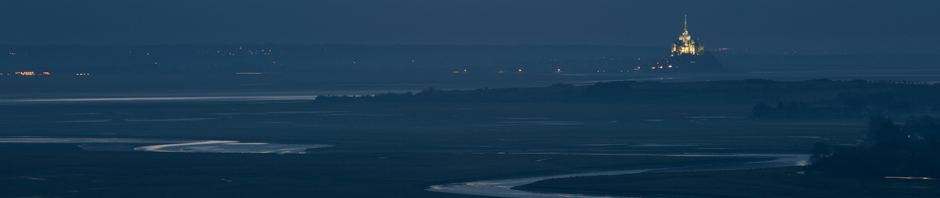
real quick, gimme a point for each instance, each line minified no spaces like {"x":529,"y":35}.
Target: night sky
{"x":811,"y":26}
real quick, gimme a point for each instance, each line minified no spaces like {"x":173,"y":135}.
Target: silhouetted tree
{"x":888,"y":137}
{"x":909,"y":149}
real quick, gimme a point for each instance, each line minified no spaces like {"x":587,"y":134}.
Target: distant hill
{"x":340,"y":58}
{"x":321,"y":58}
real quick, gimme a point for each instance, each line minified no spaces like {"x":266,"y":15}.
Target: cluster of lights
{"x":661,"y":67}
{"x":501,"y":71}
{"x":30,"y":73}
{"x":82,"y":74}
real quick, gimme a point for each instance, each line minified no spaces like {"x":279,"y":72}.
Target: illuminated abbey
{"x":686,"y":44}
{"x":688,"y":55}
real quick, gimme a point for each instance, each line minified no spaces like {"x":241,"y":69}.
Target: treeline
{"x":763,"y":62}
{"x":857,"y":95}
{"x":910,"y":149}
{"x":844,"y":104}
{"x":796,"y":109}
{"x":599,"y":92}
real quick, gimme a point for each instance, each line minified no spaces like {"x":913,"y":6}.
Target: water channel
{"x":504,"y":187}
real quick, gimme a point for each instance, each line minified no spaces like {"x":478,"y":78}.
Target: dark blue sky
{"x":852,"y":26}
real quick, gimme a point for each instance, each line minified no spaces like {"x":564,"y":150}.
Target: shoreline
{"x":508,"y":187}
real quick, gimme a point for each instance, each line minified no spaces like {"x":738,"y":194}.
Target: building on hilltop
{"x":686,"y":44}
{"x":688,"y":55}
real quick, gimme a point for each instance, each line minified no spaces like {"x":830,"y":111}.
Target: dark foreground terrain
{"x":397,"y":148}
{"x":775,"y":182}
{"x":58,"y":170}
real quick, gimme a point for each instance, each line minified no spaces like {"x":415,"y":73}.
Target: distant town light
{"x":25,"y":73}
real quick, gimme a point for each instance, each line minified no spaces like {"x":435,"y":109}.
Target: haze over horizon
{"x":469,"y":98}
{"x":855,"y":27}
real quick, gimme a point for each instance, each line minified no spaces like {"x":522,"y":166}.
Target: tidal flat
{"x":394,"y":149}
{"x":393,"y":156}
{"x":774,"y":182}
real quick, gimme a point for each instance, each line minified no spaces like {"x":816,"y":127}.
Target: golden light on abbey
{"x":686,"y":44}
{"x":688,"y":55}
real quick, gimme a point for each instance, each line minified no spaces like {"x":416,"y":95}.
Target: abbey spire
{"x":685,"y":25}
{"x":688,"y":55}
{"x":686,"y":44}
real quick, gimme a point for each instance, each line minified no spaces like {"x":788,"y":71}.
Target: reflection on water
{"x":662,"y":145}
{"x":84,"y":140}
{"x":281,"y":112}
{"x":168,"y":120}
{"x":211,"y":146}
{"x":86,"y":121}
{"x":138,"y":120}
{"x":128,"y":99}
{"x":544,"y":122}
{"x":713,"y":117}
{"x":221,"y":146}
{"x":504,"y":188}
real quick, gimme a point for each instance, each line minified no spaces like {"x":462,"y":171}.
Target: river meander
{"x":505,"y":187}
